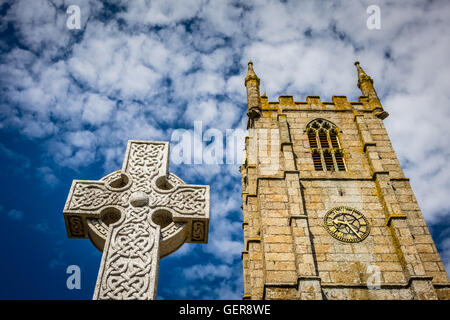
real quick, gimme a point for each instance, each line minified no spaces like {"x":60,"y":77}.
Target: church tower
{"x":327,"y":210}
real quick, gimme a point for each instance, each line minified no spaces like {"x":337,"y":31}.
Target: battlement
{"x":338,"y":103}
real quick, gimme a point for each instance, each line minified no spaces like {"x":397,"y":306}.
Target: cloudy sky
{"x":70,"y":99}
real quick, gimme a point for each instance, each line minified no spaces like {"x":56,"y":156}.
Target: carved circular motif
{"x":173,"y":235}
{"x":138,"y":199}
{"x":346,"y":224}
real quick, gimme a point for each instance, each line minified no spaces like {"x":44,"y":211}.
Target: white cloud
{"x":97,"y":109}
{"x":160,"y":12}
{"x":153,"y":67}
{"x":48,"y":176}
{"x":208,"y":271}
{"x":81,"y":139}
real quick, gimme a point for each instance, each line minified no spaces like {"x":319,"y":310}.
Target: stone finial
{"x":253,"y":97}
{"x":362,"y":75}
{"x":251,"y":75}
{"x":250,"y":66}
{"x":365,"y":84}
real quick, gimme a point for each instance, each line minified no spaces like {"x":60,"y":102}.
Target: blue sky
{"x":70,"y":100}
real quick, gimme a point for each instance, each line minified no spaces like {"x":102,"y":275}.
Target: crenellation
{"x":314,"y":102}
{"x":341,"y":102}
{"x":286,"y":101}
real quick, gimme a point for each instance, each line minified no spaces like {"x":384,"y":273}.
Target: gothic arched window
{"x":326,"y":151}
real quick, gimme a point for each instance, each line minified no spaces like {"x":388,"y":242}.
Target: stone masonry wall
{"x":289,"y":254}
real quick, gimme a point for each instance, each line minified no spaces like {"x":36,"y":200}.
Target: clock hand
{"x":348,"y":225}
{"x":336,"y":221}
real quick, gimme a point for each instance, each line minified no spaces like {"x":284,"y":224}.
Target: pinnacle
{"x":251,"y":73}
{"x":250,"y":69}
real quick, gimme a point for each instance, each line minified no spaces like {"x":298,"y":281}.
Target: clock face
{"x":346,"y":224}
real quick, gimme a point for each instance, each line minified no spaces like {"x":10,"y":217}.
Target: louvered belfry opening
{"x":334,"y":138}
{"x":323,"y":139}
{"x":339,"y":160}
{"x":328,"y":160}
{"x":326,"y":151}
{"x":312,"y":139}
{"x":317,"y":161}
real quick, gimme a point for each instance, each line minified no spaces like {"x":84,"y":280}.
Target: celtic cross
{"x":136,"y":216}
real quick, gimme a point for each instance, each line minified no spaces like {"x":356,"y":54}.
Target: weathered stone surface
{"x":136,"y":216}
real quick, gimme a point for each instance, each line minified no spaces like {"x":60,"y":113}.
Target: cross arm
{"x":88,"y":199}
{"x":188,"y":204}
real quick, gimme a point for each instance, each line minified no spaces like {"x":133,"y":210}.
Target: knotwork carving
{"x":130,"y":256}
{"x":98,"y":225}
{"x":171,"y":229}
{"x":183,"y":200}
{"x":145,"y":161}
{"x":136,"y":215}
{"x":93,"y":197}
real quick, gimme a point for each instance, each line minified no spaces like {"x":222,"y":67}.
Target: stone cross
{"x":136,"y":216}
